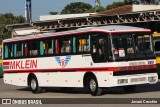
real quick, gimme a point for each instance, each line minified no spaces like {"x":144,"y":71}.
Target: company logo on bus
{"x":63,"y":62}
{"x":150,"y":62}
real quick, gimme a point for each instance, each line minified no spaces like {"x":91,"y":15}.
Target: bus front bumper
{"x":149,"y":78}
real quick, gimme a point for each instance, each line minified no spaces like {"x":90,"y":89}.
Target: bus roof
{"x":107,"y":29}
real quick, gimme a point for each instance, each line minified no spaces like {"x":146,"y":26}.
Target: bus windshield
{"x":132,"y":46}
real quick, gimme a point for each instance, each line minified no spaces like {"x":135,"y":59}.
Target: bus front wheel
{"x":93,"y":86}
{"x":34,"y":85}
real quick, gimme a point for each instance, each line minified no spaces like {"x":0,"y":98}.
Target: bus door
{"x":99,"y":48}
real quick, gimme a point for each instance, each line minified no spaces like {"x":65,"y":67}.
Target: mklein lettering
{"x":27,"y":64}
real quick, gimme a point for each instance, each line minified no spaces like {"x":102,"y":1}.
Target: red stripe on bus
{"x":5,"y":63}
{"x":100,"y":69}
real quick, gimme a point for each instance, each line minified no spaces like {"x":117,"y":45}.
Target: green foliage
{"x":115,"y":5}
{"x":128,"y":2}
{"x":6,"y":19}
{"x":92,"y":10}
{"x":76,"y":7}
{"x":53,"y":13}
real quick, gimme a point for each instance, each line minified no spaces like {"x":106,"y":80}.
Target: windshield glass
{"x":132,"y":46}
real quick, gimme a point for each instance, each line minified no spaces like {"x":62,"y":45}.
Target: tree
{"x":53,"y":13}
{"x":115,"y":5}
{"x":92,"y":10}
{"x":128,"y":2}
{"x":147,"y":2}
{"x":6,"y":19}
{"x":76,"y":7}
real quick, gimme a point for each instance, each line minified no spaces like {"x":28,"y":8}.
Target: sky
{"x":42,"y":7}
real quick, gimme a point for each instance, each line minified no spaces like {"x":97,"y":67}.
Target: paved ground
{"x":143,"y":91}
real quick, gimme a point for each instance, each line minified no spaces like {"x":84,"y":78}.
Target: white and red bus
{"x":92,"y":57}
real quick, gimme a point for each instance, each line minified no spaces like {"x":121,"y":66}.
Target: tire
{"x":129,"y":88}
{"x":93,"y":86}
{"x":34,"y":85}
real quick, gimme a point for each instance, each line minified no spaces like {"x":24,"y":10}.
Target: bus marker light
{"x":110,"y":73}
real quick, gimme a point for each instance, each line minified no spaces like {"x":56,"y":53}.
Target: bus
{"x":1,"y":70}
{"x":93,"y":58}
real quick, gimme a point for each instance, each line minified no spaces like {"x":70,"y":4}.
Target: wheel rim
{"x":33,"y":84}
{"x":92,"y":85}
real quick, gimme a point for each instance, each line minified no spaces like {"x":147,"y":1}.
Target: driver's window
{"x":99,"y":48}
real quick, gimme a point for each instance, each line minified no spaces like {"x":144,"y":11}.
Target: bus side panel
{"x":103,"y":78}
{"x":60,"y":79}
{"x":18,"y":79}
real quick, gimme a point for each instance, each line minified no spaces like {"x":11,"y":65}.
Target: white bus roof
{"x":109,"y":29}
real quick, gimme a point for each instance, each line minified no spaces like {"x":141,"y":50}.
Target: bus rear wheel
{"x":93,"y":86}
{"x":34,"y":85}
{"x":129,"y":88}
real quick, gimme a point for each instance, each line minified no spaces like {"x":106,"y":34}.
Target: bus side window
{"x":33,"y":48}
{"x":15,"y":50}
{"x":22,"y":47}
{"x":46,"y":47}
{"x":26,"y":49}
{"x":89,"y":42}
{"x":49,"y":47}
{"x":74,"y":44}
{"x":18,"y":52}
{"x":83,"y":45}
{"x":65,"y":45}
{"x":6,"y":51}
{"x":52,"y":46}
{"x":42,"y":47}
{"x":57,"y":46}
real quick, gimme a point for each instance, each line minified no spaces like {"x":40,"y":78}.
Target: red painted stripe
{"x":100,"y":69}
{"x":5,"y":63}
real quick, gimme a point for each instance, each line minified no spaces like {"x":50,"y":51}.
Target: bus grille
{"x":131,"y":72}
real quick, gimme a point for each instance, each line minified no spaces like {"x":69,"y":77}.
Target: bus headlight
{"x":152,"y":79}
{"x":122,"y":81}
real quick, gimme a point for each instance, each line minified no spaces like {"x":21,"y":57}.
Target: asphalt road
{"x":143,"y":91}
